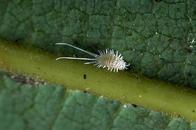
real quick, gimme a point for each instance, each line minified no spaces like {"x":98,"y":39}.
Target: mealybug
{"x":109,"y":58}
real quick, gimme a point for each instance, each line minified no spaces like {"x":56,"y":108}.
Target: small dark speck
{"x":193,"y":110}
{"x":134,"y":105}
{"x":84,"y":76}
{"x":170,"y":40}
{"x":85,"y":91}
{"x":75,"y":42}
{"x":189,"y":74}
{"x":189,"y":49}
{"x":178,"y":115}
{"x":17,"y":40}
{"x":157,"y":0}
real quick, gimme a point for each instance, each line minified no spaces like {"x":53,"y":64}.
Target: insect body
{"x":109,"y":58}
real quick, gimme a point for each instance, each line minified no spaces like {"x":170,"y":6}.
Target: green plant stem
{"x":122,"y":86}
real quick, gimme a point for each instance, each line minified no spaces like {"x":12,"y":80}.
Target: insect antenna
{"x":75,"y":58}
{"x":77,"y":48}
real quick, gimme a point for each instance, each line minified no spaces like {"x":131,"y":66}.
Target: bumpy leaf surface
{"x":156,"y":36}
{"x":52,"y":107}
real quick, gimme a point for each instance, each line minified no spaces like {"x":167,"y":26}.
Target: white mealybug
{"x":109,"y":58}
